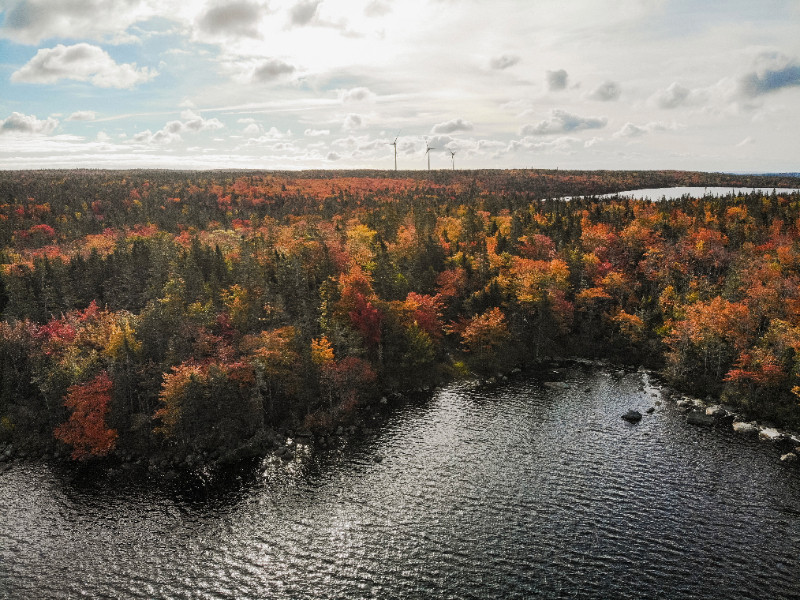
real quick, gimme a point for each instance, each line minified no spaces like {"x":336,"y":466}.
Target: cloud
{"x":236,"y":18}
{"x":629,"y":130}
{"x":556,"y":80}
{"x":82,"y":115}
{"x":745,"y":142}
{"x":332,"y":156}
{"x":672,"y":97}
{"x":606,"y":91}
{"x":81,"y":62}
{"x":31,"y":21}
{"x":303,"y":12}
{"x":27,"y":124}
{"x":353,"y":121}
{"x":452,"y":126}
{"x":774,"y":71}
{"x":171,"y":132}
{"x":377,"y":8}
{"x":359,"y":94}
{"x":271,"y":69}
{"x":562,"y":122}
{"x":316,"y":132}
{"x":504,"y":61}
{"x":561,"y":145}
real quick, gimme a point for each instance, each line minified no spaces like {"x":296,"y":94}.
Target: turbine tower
{"x":453,"y":158}
{"x":394,"y":143}
{"x":428,"y":153}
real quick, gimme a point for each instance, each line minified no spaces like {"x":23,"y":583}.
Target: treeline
{"x":158,"y":311}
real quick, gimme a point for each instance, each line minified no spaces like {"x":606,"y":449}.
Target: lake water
{"x":518,"y":491}
{"x":673,"y":193}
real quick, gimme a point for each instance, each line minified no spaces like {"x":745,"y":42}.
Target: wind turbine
{"x":453,"y":158}
{"x":428,"y":153}
{"x":394,"y":143}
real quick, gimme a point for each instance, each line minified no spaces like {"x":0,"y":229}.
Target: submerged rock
{"x":651,"y":410}
{"x":632,"y":416}
{"x":699,"y":418}
{"x":745,"y":428}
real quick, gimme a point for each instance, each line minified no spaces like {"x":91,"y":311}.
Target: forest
{"x":176,"y":313}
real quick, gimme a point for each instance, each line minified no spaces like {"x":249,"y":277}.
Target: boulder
{"x":632,"y":416}
{"x":770,"y":434}
{"x":716,"y":411}
{"x":745,"y":428}
{"x":651,"y":410}
{"x":699,"y":418}
{"x":789,"y":457}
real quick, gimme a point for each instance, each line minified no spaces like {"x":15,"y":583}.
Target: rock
{"x":699,"y":418}
{"x":384,"y":400}
{"x":379,"y":459}
{"x":684,"y":403}
{"x":745,"y":428}
{"x":770,"y":434}
{"x":557,"y":385}
{"x":716,"y":411}
{"x":651,"y":410}
{"x":632,"y":416}
{"x":658,"y":402}
{"x":789,"y":457}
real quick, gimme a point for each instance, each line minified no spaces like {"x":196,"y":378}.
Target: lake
{"x":673,"y":193}
{"x":515,"y":491}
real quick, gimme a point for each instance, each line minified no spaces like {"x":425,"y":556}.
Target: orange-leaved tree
{"x":86,"y":430}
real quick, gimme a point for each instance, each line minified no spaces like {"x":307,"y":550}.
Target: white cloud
{"x":562,"y":122}
{"x":27,"y":124}
{"x":332,"y":156}
{"x":103,"y":137}
{"x":82,"y":115}
{"x":745,"y":142}
{"x":672,"y":97}
{"x":377,"y":8}
{"x":316,"y":132}
{"x":171,"y":132}
{"x":556,"y":80}
{"x":359,"y":94}
{"x":81,"y":62}
{"x":629,"y":130}
{"x":606,"y":91}
{"x":452,"y":126}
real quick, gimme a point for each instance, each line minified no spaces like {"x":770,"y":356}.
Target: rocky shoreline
{"x":288,"y":445}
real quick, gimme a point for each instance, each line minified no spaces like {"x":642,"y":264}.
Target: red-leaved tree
{"x":86,"y":430}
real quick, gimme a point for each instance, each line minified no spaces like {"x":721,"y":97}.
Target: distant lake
{"x":525,"y":490}
{"x":673,"y":193}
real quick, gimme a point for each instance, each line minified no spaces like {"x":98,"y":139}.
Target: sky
{"x":706,"y":85}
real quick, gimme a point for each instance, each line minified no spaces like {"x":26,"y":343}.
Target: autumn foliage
{"x":192,"y":312}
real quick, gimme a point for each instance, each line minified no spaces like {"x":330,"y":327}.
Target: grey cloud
{"x":237,"y":18}
{"x":271,"y":69}
{"x":332,"y":156}
{"x":557,"y":80}
{"x":304,"y":12}
{"x":30,"y":21}
{"x":561,"y":122}
{"x":504,"y":61}
{"x":29,"y":124}
{"x":452,"y":126}
{"x":629,"y":130}
{"x":606,"y":91}
{"x":353,"y":121}
{"x":672,"y":97}
{"x":775,"y":71}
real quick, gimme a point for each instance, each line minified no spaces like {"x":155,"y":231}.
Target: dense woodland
{"x":192,"y":312}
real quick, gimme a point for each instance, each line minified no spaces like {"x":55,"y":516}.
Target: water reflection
{"x":513,"y":491}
